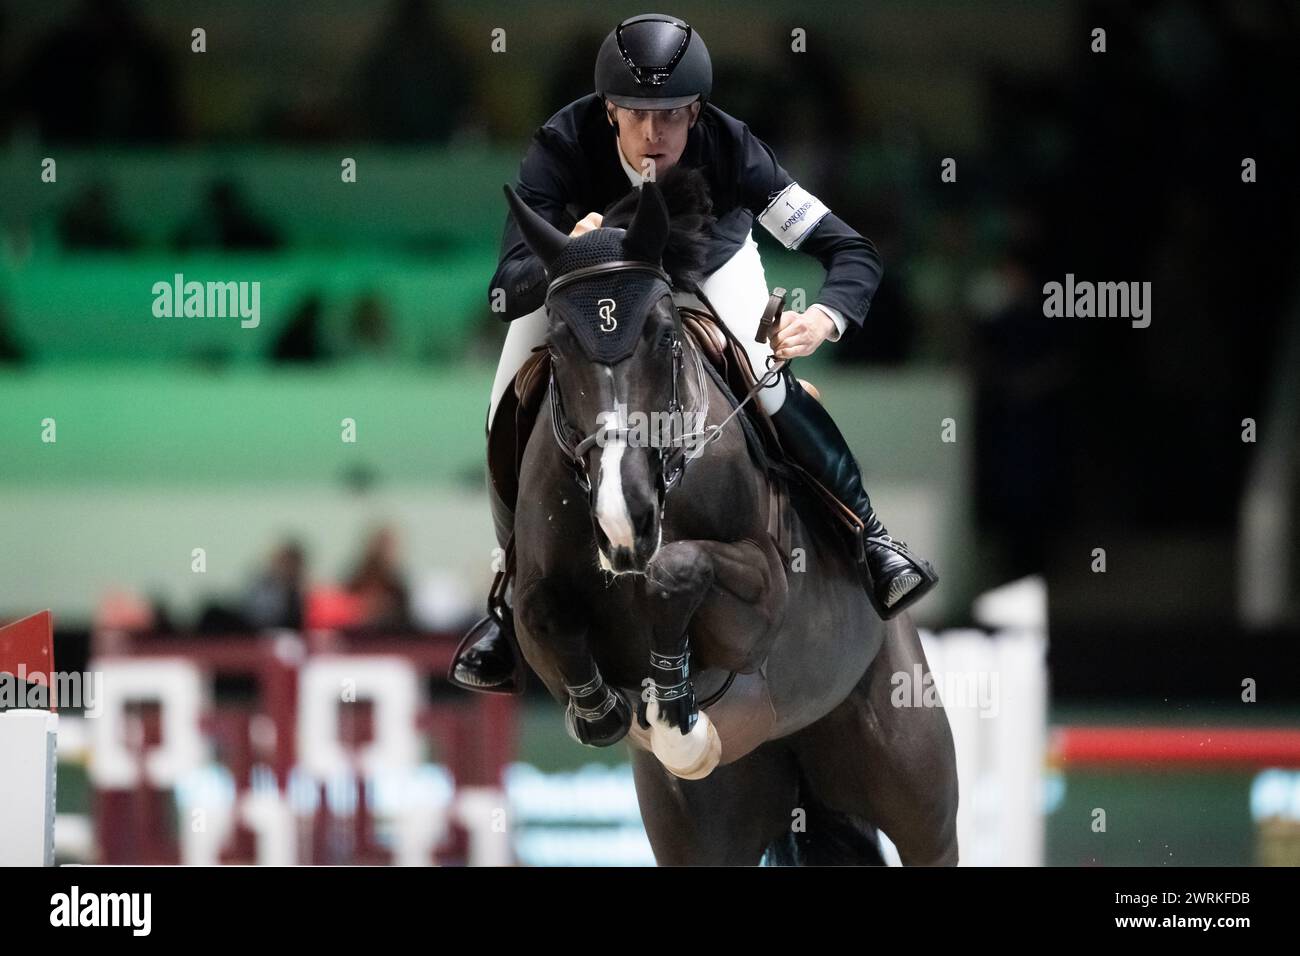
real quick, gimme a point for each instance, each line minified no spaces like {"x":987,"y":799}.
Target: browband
{"x":619,"y":265}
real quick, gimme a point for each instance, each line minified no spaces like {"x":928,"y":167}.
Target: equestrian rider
{"x":650,"y":111}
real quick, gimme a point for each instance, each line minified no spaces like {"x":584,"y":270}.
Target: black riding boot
{"x":487,"y":659}
{"x":895,"y":578}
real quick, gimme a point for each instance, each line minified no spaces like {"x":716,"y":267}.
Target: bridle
{"x":672,"y":463}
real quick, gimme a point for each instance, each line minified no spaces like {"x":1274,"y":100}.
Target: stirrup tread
{"x":901,"y":585}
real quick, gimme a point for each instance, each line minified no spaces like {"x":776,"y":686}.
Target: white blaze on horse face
{"x":611,"y":507}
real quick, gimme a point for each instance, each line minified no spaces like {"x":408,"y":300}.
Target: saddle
{"x":731,"y":361}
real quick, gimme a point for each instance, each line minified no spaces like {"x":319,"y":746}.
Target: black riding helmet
{"x":654,"y":62}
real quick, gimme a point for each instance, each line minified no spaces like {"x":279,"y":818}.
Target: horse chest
{"x":616,"y":620}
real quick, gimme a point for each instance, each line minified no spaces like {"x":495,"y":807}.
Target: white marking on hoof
{"x":640,"y":738}
{"x":691,"y":756}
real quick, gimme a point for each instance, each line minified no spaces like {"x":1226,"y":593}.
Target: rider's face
{"x":653,"y":136}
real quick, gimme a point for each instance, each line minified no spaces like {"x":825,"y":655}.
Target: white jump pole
{"x":28,"y":746}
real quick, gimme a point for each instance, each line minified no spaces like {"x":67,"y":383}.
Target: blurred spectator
{"x":370,"y":328}
{"x":303,"y":338}
{"x":11,"y":352}
{"x":216,"y":617}
{"x":98,"y":78}
{"x":123,"y":610}
{"x":91,"y":223}
{"x":414,"y":79}
{"x":275,"y":598}
{"x":379,"y":584}
{"x":226,"y":222}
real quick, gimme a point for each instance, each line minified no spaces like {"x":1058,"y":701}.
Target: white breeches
{"x":738,"y":289}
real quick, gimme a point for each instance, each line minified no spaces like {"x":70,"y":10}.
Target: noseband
{"x":672,"y":465}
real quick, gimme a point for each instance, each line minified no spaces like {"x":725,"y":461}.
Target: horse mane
{"x":690,"y":217}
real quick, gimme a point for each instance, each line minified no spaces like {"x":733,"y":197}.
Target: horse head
{"x":619,"y":398}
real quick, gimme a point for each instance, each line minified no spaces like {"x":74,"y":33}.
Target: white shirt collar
{"x":633,"y":176}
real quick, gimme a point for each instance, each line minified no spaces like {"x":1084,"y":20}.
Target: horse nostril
{"x":645,"y":523}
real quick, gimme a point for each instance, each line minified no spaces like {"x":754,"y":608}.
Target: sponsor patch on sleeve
{"x":792,"y":214}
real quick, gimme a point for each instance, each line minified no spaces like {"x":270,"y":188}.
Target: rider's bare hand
{"x":587,"y":223}
{"x":799,"y":333}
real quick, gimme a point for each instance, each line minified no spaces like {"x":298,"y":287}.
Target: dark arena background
{"x":231,"y":517}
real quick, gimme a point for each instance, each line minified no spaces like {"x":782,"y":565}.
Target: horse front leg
{"x":681,"y":735}
{"x":596,"y":714}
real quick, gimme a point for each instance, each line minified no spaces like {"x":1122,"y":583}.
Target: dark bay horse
{"x":654,"y":604}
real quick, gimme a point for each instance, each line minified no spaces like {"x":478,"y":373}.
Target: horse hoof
{"x":603,"y":731}
{"x":689,"y":756}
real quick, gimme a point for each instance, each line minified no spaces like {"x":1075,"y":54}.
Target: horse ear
{"x":648,"y":234}
{"x":542,"y":238}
